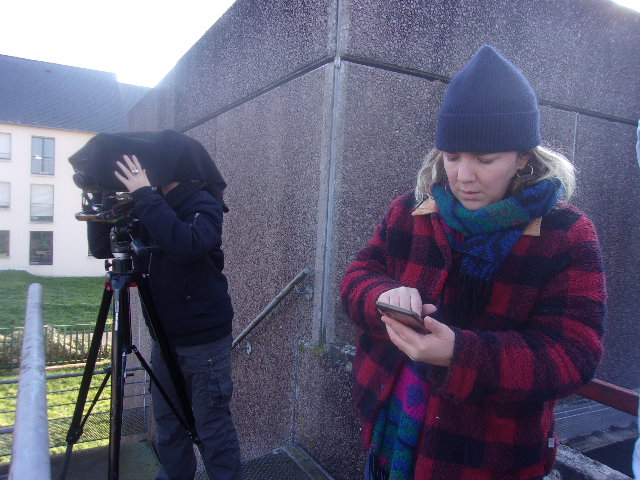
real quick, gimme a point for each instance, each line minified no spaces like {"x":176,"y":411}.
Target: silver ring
{"x":135,"y":172}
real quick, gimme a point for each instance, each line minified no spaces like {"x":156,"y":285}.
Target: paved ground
{"x":138,"y":461}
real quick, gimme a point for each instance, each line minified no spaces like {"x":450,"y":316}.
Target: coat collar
{"x":429,"y":206}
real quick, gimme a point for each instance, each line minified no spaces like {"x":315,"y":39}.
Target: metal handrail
{"x":277,"y":299}
{"x":30,"y":452}
{"x":611,"y":395}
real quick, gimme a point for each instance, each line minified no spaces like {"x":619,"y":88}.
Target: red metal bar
{"x":612,"y":395}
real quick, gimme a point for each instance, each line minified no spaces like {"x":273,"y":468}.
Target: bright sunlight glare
{"x":139,"y":40}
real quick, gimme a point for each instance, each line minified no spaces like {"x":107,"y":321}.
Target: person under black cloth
{"x":184,"y":221}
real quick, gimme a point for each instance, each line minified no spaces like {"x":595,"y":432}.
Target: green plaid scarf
{"x":490,"y":233}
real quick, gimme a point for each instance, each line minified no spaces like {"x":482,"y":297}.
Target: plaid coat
{"x":490,"y":414}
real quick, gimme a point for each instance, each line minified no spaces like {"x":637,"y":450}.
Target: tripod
{"x":119,"y":280}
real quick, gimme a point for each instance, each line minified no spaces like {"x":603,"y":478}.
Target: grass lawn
{"x":62,"y":395}
{"x":66,"y":300}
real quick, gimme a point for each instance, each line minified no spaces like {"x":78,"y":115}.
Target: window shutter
{"x":5,"y":146}
{"x":42,"y":201}
{"x":5,"y":194}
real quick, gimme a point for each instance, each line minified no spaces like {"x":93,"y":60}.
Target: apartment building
{"x":47,"y":113}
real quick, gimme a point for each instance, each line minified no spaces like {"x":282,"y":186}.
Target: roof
{"x":59,"y":96}
{"x":131,"y":94}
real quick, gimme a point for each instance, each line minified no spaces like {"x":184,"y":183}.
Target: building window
{"x":42,"y":203}
{"x":5,"y":146}
{"x":42,"y":154}
{"x":4,"y":243}
{"x":5,"y":195}
{"x":41,"y":248}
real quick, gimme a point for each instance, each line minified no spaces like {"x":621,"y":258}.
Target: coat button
{"x":188,"y":298}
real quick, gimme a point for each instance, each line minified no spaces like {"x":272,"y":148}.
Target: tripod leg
{"x":121,"y":328}
{"x":76,"y":428}
{"x":144,"y":288}
{"x":162,"y":391}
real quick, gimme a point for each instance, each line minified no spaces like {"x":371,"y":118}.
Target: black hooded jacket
{"x":189,"y":289}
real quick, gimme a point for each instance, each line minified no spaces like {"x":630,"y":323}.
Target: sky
{"x":633,"y":4}
{"x":139,"y":40}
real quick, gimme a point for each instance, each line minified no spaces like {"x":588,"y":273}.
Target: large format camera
{"x":166,"y":156}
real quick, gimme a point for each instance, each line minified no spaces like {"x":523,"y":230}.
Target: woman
{"x":509,"y":280}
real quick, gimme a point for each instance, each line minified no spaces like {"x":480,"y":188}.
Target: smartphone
{"x":407,"y":317}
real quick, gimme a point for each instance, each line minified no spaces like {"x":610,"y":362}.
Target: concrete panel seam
{"x":584,"y":111}
{"x":335,"y":117}
{"x":414,"y":72}
{"x":575,"y":137}
{"x":306,"y":462}
{"x":266,"y":89}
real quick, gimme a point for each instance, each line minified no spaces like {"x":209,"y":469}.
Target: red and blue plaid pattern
{"x":490,"y":413}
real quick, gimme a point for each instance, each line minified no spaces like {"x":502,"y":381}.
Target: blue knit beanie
{"x":489,"y":106}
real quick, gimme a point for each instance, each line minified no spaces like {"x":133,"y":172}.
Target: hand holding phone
{"x":403,"y":315}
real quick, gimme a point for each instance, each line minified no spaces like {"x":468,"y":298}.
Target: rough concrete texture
{"x":234,"y":59}
{"x":157,"y":110}
{"x":315,"y":147}
{"x":571,"y":465}
{"x":558,"y":130}
{"x":138,"y":461}
{"x":387,"y":123}
{"x":609,"y":192}
{"x":268,"y":149}
{"x":325,"y":422}
{"x":574,"y":53}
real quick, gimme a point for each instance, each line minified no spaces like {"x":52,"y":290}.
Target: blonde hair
{"x":545,"y":163}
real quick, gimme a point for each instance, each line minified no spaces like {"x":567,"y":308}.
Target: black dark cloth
{"x":167,"y":156}
{"x":189,"y":289}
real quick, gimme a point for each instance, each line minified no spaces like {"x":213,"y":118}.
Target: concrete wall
{"x":318,"y":114}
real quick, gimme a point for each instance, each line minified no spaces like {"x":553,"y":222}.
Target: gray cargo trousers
{"x":207,"y":372}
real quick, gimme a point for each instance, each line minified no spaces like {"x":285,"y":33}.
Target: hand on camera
{"x":133,"y":176}
{"x":436,"y":347}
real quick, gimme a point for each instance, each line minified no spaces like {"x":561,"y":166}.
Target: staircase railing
{"x":262,"y":315}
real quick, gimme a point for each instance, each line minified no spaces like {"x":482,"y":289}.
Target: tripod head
{"x":124,"y":242}
{"x":121,"y":240}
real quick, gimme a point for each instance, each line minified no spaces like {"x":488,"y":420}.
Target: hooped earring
{"x":530,"y":173}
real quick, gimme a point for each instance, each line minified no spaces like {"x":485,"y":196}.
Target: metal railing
{"x":611,"y":395}
{"x":262,"y":315}
{"x":20,"y":437}
{"x":64,"y":344}
{"x":30,"y":451}
{"x":62,"y":392}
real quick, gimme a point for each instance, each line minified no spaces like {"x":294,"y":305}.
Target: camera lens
{"x":81,"y":180}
